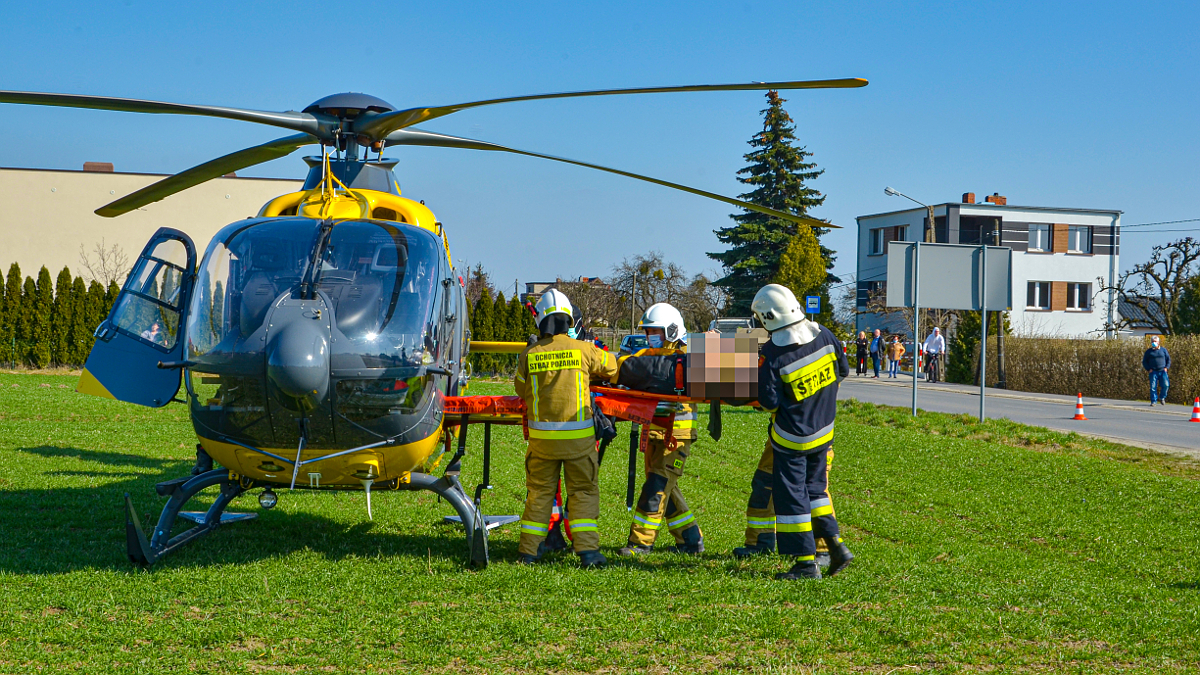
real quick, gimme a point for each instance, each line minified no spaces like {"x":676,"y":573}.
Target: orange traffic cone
{"x":1196,"y":411}
{"x":1079,"y":409}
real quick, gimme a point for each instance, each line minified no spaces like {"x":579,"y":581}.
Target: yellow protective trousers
{"x":580,"y":476}
{"x":760,"y":511}
{"x":661,"y":504}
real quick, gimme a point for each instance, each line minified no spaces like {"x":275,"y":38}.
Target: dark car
{"x":632,"y":343}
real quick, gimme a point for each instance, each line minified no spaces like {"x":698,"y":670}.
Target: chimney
{"x":98,"y":167}
{"x":968,"y":198}
{"x":996,"y":198}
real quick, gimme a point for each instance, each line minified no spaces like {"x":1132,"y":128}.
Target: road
{"x":1163,"y":428}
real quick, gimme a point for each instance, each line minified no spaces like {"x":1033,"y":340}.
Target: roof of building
{"x":986,"y":205}
{"x":1140,"y":315}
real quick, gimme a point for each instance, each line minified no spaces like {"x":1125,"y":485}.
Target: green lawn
{"x":980,"y":547}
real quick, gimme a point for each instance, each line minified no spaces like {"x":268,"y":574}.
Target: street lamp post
{"x":929,"y":238}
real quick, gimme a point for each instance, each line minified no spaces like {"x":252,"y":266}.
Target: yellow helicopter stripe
{"x":88,"y":384}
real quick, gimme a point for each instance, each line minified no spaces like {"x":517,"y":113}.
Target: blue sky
{"x":1081,"y":104}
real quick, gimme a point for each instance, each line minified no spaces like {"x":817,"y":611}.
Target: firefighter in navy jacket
{"x":798,"y":378}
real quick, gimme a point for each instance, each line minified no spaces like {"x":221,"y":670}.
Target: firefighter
{"x":553,"y":377}
{"x":798,"y":378}
{"x":661,"y":504}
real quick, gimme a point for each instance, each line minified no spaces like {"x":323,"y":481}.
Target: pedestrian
{"x":553,"y":378}
{"x":935,"y":347}
{"x":876,"y":352}
{"x":861,"y":346}
{"x":1155,"y":362}
{"x":661,"y":502}
{"x":798,"y":376}
{"x":895,"y":353}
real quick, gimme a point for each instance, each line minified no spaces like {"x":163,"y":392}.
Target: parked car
{"x":633,"y":343}
{"x":731,"y":324}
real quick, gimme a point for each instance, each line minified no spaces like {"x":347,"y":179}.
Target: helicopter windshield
{"x":380,"y":280}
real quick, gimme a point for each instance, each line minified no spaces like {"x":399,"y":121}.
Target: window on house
{"x":877,"y":241}
{"x":1039,"y":237}
{"x":977,"y":230}
{"x":1079,"y":239}
{"x":1079,"y":296}
{"x":1037,"y":295}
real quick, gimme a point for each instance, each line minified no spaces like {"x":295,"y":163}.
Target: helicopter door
{"x":145,"y":327}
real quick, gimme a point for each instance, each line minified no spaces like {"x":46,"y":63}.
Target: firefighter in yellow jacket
{"x":661,"y":503}
{"x":553,"y":377}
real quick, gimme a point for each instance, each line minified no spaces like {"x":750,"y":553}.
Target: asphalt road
{"x":1164,"y":428}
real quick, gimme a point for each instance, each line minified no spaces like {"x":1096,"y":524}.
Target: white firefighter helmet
{"x":664,"y":316}
{"x":776,"y":307}
{"x":552,"y":301}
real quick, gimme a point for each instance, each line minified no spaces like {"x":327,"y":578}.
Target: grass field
{"x":980,"y":547}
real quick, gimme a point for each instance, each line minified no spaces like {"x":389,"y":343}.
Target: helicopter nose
{"x":298,"y":361}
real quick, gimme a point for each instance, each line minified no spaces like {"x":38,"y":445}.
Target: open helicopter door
{"x":145,"y":327}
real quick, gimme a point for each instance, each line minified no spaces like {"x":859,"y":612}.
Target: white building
{"x":1061,"y":258}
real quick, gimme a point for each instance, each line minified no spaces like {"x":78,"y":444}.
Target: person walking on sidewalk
{"x":877,"y":347}
{"x":895,"y":353}
{"x":935,"y":346}
{"x":860,"y":353}
{"x":1156,"y":361}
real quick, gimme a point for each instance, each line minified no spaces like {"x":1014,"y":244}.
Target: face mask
{"x":572,"y":333}
{"x":655,"y":341}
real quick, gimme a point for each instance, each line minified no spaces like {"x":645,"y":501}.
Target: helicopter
{"x":317,"y":343}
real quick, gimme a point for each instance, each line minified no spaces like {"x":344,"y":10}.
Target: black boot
{"x":804,"y":569}
{"x":630,"y":550}
{"x":693,"y":542}
{"x":204,"y":463}
{"x":839,"y":556}
{"x":526,"y":559}
{"x":822,"y":559}
{"x":592,"y":559}
{"x":765,"y":546}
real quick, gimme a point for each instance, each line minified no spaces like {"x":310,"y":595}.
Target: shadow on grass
{"x":65,"y":529}
{"x":109,"y":458}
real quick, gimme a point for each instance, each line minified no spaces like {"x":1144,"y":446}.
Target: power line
{"x":1165,"y":222}
{"x":1186,"y":229}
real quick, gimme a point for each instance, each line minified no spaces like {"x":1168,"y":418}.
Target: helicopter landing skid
{"x":145,"y":551}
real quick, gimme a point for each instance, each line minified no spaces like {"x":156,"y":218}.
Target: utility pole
{"x":1000,"y":379}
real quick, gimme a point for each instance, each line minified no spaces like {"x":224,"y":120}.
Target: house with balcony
{"x":1062,"y":257}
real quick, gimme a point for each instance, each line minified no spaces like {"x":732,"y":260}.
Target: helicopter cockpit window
{"x":242,"y":274}
{"x":381,"y":280}
{"x":149,"y":304}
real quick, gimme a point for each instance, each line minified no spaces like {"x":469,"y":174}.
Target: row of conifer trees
{"x":499,"y":320}
{"x":50,"y":323}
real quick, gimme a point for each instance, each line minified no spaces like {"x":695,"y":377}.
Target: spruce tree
{"x":110,"y":297}
{"x":42,"y":339}
{"x":3,"y":306}
{"x":777,"y":173}
{"x":961,"y":366}
{"x":25,"y":329}
{"x":61,"y":319}
{"x":13,"y":310}
{"x":482,"y":330}
{"x":80,"y":331}
{"x":97,"y":310}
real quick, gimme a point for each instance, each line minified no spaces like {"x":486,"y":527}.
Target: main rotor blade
{"x":216,"y":168}
{"x":295,"y":121}
{"x":430,"y":139}
{"x":378,"y":126}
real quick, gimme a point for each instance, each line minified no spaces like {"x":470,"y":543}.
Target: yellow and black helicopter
{"x":318,"y":341}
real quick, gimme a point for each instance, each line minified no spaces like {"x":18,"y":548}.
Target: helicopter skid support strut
{"x":145,"y":551}
{"x":447,"y":487}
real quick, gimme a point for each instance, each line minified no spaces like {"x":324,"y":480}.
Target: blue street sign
{"x":812,"y":304}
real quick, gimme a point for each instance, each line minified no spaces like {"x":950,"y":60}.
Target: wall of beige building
{"x":46,"y":215}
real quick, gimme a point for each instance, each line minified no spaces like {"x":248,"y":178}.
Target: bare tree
{"x":105,"y":264}
{"x":900,"y":319}
{"x":593,"y":299}
{"x":477,"y":280}
{"x":1158,"y":285}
